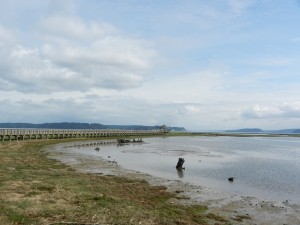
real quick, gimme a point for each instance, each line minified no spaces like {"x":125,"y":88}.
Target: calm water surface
{"x":264,"y":167}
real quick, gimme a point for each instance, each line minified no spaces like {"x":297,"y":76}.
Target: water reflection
{"x":91,"y":144}
{"x":180,"y":173}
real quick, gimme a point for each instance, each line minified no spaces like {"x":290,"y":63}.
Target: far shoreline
{"x":231,"y":134}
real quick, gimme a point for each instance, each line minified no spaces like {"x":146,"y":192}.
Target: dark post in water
{"x":180,"y":163}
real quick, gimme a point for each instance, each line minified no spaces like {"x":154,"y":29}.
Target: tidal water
{"x":264,"y":167}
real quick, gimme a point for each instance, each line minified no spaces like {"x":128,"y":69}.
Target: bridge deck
{"x":23,"y":134}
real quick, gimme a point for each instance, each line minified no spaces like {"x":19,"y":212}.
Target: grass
{"x":37,"y":190}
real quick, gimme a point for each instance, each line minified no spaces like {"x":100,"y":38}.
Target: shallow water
{"x":264,"y":167}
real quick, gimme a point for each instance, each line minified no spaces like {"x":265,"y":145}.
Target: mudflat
{"x":35,"y":189}
{"x":42,"y":186}
{"x":234,"y":209}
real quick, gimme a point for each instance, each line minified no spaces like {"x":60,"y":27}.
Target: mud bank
{"x":237,"y":209}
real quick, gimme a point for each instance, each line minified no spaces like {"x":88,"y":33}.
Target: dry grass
{"x":38,"y":190}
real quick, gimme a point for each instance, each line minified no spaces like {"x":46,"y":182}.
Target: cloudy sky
{"x":204,"y":65}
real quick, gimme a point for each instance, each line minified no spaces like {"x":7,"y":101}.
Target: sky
{"x":198,"y":64}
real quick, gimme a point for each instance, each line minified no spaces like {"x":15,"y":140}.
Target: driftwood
{"x":126,"y":141}
{"x":180,"y":163}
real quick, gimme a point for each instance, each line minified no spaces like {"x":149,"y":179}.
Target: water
{"x":264,"y":167}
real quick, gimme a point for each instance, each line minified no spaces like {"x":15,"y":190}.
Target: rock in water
{"x":231,"y":179}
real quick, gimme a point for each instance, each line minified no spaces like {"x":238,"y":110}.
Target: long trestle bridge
{"x":25,"y":134}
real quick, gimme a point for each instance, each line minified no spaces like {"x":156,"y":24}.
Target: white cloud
{"x":198,"y":87}
{"x":73,"y":41}
{"x":192,"y":109}
{"x":286,"y":110}
{"x":75,"y":55}
{"x":291,"y":109}
{"x":258,"y":112}
{"x":8,"y":38}
{"x":71,"y":28}
{"x":25,"y":70}
{"x":221,"y":64}
{"x":21,"y":52}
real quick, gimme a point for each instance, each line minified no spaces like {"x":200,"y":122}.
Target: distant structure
{"x":164,"y":129}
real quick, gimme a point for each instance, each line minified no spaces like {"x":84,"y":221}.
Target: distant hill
{"x":246,"y":130}
{"x":258,"y":130}
{"x":142,"y":127}
{"x":66,"y":125}
{"x":63,"y":125}
{"x":286,"y":131}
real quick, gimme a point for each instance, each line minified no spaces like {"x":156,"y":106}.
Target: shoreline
{"x":35,"y":189}
{"x":236,"y":209}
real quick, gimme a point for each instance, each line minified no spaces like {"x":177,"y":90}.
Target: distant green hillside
{"x":66,"y":125}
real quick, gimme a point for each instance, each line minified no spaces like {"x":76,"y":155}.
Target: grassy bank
{"x":38,"y":190}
